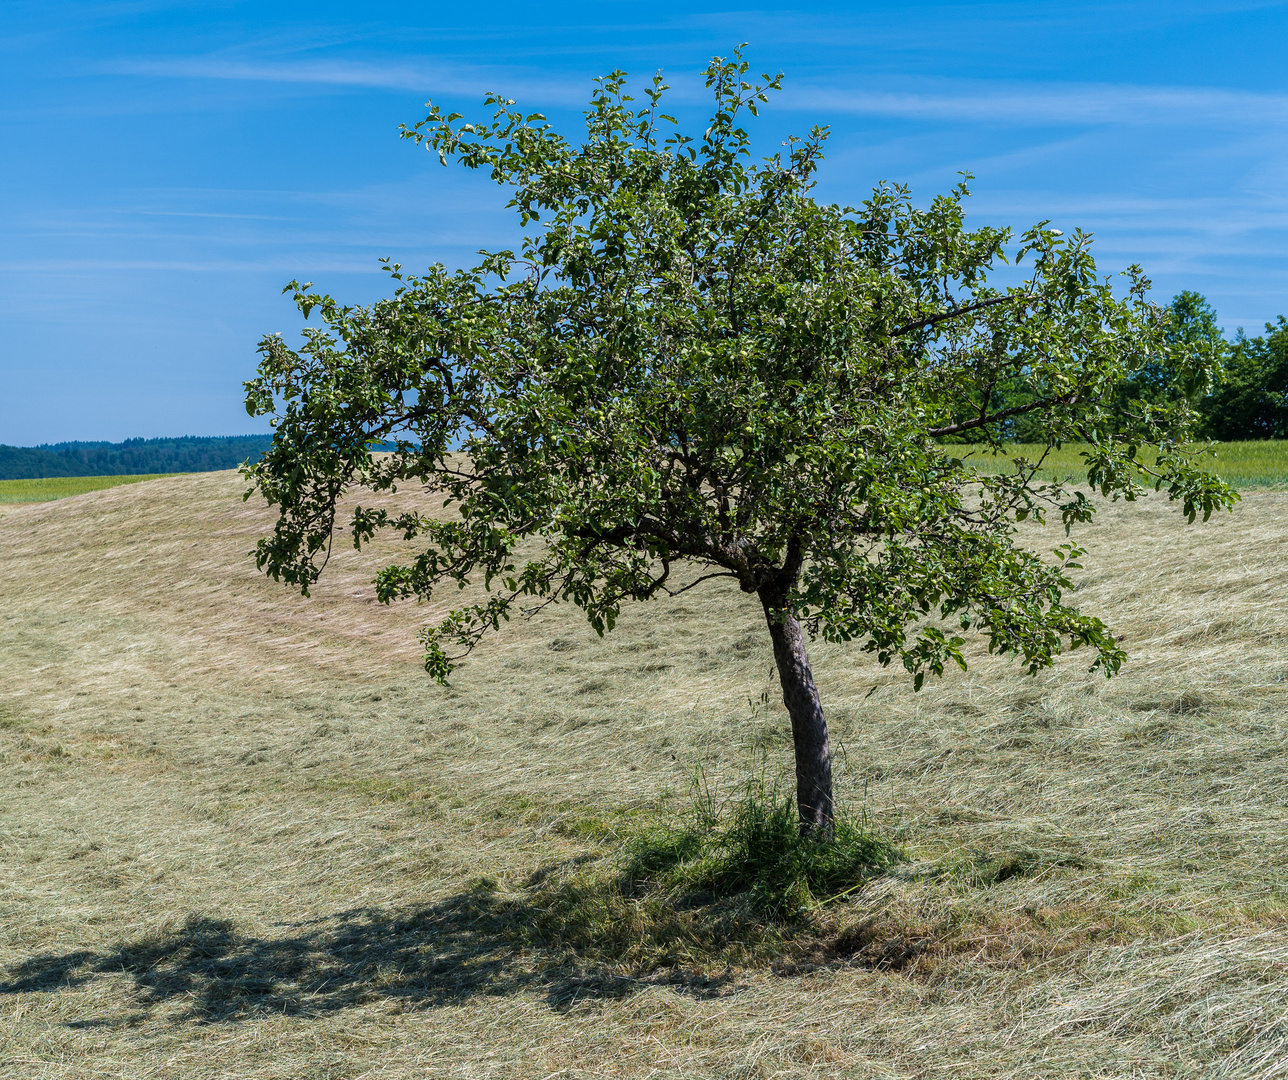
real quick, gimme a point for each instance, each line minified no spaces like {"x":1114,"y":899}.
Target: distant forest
{"x":132,"y":457}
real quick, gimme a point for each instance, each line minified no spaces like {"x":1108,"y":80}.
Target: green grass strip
{"x":1261,"y":464}
{"x":60,"y":487}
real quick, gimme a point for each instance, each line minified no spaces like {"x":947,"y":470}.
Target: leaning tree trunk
{"x":809,"y":728}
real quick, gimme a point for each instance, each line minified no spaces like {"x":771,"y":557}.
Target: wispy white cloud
{"x":1179,"y":212}
{"x":974,"y":101}
{"x":954,"y":27}
{"x":281,"y":264}
{"x":1046,"y":103}
{"x":211,"y":214}
{"x":424,"y":77}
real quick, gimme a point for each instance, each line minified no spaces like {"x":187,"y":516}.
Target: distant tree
{"x":1173,"y":374}
{"x":693,"y":364}
{"x":1192,"y":322}
{"x":1177,"y":376}
{"x":1251,"y":401}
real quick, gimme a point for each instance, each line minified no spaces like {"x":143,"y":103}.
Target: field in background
{"x":60,"y":487}
{"x":1262,"y":464}
{"x":1244,"y":464}
{"x":244,"y":835}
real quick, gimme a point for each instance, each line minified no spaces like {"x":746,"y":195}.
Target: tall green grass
{"x":705,"y":885}
{"x":752,"y":846}
{"x":60,"y":487}
{"x":1261,"y":464}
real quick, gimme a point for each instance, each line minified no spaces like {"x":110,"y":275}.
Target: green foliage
{"x":691,"y":360}
{"x":754,"y":848}
{"x":1251,"y":401}
{"x":1239,"y":389}
{"x":1173,"y":378}
{"x":1192,"y":363}
{"x":1197,"y":340}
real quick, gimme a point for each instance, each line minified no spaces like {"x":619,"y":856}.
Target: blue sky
{"x":166,"y":167}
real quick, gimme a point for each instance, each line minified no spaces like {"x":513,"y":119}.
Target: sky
{"x":166,"y":167}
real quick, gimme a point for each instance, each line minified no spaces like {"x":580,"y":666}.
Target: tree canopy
{"x":1251,"y":399}
{"x":1238,"y":388}
{"x":1191,"y":334}
{"x":692,"y":369}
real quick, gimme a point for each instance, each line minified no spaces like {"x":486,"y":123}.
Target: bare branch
{"x":699,"y":581}
{"x":984,"y":419}
{"x":943,"y":316}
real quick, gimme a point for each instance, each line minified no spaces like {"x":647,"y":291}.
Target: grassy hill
{"x":243,"y":834}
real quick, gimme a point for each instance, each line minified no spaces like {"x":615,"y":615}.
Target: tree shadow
{"x":465,"y":947}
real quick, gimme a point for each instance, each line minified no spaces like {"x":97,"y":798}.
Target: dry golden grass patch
{"x":243,"y":834}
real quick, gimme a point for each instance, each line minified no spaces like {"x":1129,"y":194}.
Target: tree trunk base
{"x":809,"y":727}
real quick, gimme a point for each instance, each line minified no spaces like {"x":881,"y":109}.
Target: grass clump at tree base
{"x":709,"y":888}
{"x":754,"y":848}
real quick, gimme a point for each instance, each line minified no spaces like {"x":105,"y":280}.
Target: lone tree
{"x":693,"y":366}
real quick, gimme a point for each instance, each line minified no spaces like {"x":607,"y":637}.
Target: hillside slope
{"x":243,"y":834}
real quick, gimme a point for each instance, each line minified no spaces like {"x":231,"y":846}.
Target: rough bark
{"x":809,"y":728}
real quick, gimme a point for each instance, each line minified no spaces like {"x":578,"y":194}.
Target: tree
{"x":1188,"y":367}
{"x":1251,"y":401}
{"x":1173,"y":374}
{"x":694,"y":370}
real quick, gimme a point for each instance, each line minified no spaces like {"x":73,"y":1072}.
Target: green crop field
{"x":1262,"y":464}
{"x":244,"y":835}
{"x":60,"y":487}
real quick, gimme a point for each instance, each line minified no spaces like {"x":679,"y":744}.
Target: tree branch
{"x":699,"y":581}
{"x":983,"y":420}
{"x":931,"y":320}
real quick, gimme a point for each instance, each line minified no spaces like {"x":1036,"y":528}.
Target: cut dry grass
{"x":62,"y":487}
{"x":243,"y":835}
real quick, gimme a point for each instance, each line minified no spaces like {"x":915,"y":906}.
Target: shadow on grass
{"x":474,"y":944}
{"x":718,"y":889}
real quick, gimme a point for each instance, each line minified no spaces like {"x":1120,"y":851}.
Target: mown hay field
{"x":244,"y":836}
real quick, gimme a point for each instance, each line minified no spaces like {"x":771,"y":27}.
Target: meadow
{"x":244,"y":834}
{"x":61,"y":487}
{"x":1244,"y":464}
{"x":1259,"y":464}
